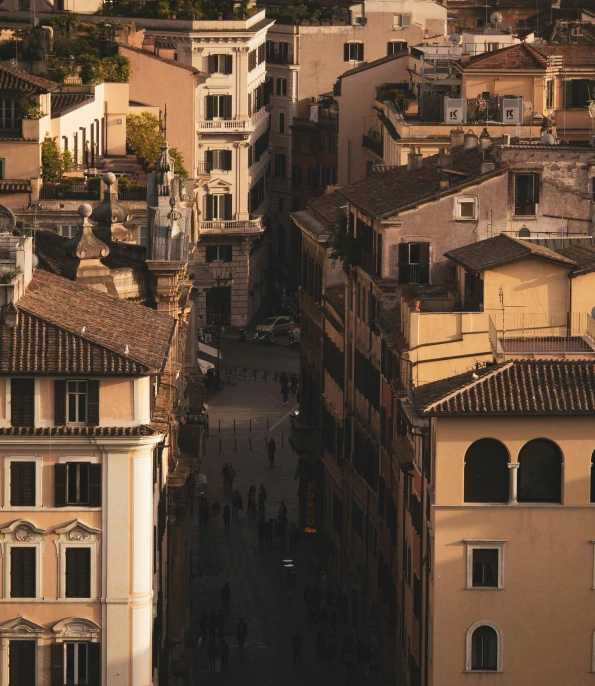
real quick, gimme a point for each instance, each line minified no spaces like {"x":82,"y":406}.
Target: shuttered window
{"x":218,"y":106}
{"x":76,"y":663}
{"x":220,"y":64}
{"x":21,"y":663}
{"x":22,"y":392}
{"x":218,"y":159}
{"x":76,"y":402}
{"x":22,"y":572}
{"x":78,"y":572}
{"x":353,"y":52}
{"x":77,"y":483}
{"x":22,"y":484}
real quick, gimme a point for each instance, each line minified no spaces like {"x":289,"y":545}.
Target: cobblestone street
{"x":259,"y":591}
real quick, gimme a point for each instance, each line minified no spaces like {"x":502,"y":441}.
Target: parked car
{"x":277,"y":325}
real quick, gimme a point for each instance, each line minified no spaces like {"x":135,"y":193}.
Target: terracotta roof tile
{"x":95,"y":431}
{"x":527,"y":56}
{"x":15,"y":80}
{"x":15,"y":186}
{"x":500,"y":250}
{"x":165,"y":60}
{"x":66,"y":327}
{"x":62,"y":102}
{"x":522,"y":387}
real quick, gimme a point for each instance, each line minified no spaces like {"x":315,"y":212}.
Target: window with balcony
{"x":282,"y":87}
{"x":414,"y":263}
{"x":218,"y":107}
{"x":218,"y":207}
{"x":219,"y":160}
{"x":81,"y":662}
{"x":401,"y":21}
{"x":526,"y":194}
{"x":353,"y":52}
{"x":220,"y":64}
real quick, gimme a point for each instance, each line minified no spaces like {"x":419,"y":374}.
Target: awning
{"x":204,"y":365}
{"x":208,"y":350}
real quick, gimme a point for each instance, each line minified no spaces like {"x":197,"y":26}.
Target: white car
{"x":277,"y":325}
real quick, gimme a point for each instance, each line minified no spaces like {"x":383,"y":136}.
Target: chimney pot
{"x":470,"y":141}
{"x":457,"y":137}
{"x":444,"y":158}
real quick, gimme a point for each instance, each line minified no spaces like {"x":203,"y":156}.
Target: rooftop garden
{"x":304,"y":13}
{"x":397,"y":93}
{"x":193,"y":10}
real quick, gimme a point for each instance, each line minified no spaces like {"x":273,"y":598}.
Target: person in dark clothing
{"x":262,"y":497}
{"x":204,"y":626}
{"x":294,"y":535}
{"x":224,"y":655}
{"x":203,"y":514}
{"x":226,"y":516}
{"x":294,"y":384}
{"x":241,"y":633}
{"x":212,"y":626}
{"x":212,"y":652}
{"x":271,"y":447}
{"x":285,"y":393}
{"x":231,"y":475}
{"x":283,"y":380}
{"x":225,"y":476}
{"x":297,"y":647}
{"x":235,"y":502}
{"x":220,"y":623}
{"x":282,"y":529}
{"x":282,"y":509}
{"x":226,"y":596}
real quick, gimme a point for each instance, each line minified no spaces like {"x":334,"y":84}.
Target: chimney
{"x":505,"y":139}
{"x":444,"y":159}
{"x":414,"y":160}
{"x":457,"y":137}
{"x":470,"y":141}
{"x":487,"y":167}
{"x":485,"y":140}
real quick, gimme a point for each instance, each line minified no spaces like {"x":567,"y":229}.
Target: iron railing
{"x":69,"y":190}
{"x":542,"y":332}
{"x":373,"y":144}
{"x":137,"y":191}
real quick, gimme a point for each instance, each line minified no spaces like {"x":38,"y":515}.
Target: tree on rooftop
{"x":144,"y":139}
{"x":54,"y":163}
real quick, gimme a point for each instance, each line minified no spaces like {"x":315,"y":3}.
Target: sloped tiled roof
{"x":95,"y":431}
{"x":527,"y":56}
{"x":165,"y":60}
{"x":15,"y":186}
{"x":375,"y":63}
{"x":15,"y":80}
{"x":61,"y":102}
{"x":500,"y":250}
{"x":583,"y":254}
{"x":388,"y":192}
{"x":66,"y":328}
{"x":522,"y":387}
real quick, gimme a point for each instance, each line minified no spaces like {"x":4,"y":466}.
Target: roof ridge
{"x":469,"y":385}
{"x":534,"y":52}
{"x":77,"y":334}
{"x":38,"y":81}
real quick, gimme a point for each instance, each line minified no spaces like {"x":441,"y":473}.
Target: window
{"x":313,"y":176}
{"x":76,"y":663}
{"x":593,"y":477}
{"x":357,"y":520}
{"x":480,"y":23}
{"x":218,"y":159}
{"x":22,"y":484}
{"x":331,"y":176}
{"x":280,"y":206}
{"x":295,"y":204}
{"x":578,"y":93}
{"x":549,"y":94}
{"x":282,"y":87}
{"x":220,"y":64}
{"x":526,"y":194}
{"x":395,"y":46}
{"x":353,"y":52}
{"x":280,"y":165}
{"x":417,"y":597}
{"x":22,"y":572}
{"x":252,"y":60}
{"x":281,"y":122}
{"x":414,"y":263}
{"x":77,"y":483}
{"x":321,"y":143}
{"x":78,"y":572}
{"x":68,"y":231}
{"x":465,"y":209}
{"x":22,"y":663}
{"x":485,"y":564}
{"x":218,"y":207}
{"x":401,"y":21}
{"x":524,"y":232}
{"x":2,"y":169}
{"x":486,"y":472}
{"x":296,"y":175}
{"x":76,"y":405}
{"x":8,"y":119}
{"x":219,"y":253}
{"x":22,"y":402}
{"x":144,"y":236}
{"x":492,"y":47}
{"x":331,"y":145}
{"x":218,"y":107}
{"x":484,"y":648}
{"x":540,"y":472}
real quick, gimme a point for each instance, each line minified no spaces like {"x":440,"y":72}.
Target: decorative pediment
{"x":21,"y":625}
{"x":77,"y":531}
{"x":76,"y":628}
{"x":22,"y":531}
{"x":219,"y":185}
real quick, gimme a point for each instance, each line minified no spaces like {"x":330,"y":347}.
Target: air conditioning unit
{"x":511,"y":109}
{"x":455,"y":110}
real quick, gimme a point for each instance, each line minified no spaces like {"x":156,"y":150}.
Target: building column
{"x":512,"y":495}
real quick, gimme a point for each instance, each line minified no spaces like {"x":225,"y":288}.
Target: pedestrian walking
{"x":225,"y":476}
{"x":216,"y":507}
{"x":226,"y":596}
{"x":212,"y":652}
{"x":241,"y":633}
{"x":283,"y":380}
{"x":231,"y":475}
{"x":285,"y":393}
{"x":226,"y":516}
{"x":224,"y":650}
{"x":251,"y":501}
{"x":282,"y":510}
{"x":262,"y":497}
{"x":282,"y":530}
{"x":203,"y":514}
{"x":297,"y":647}
{"x":271,"y":447}
{"x":220,"y":623}
{"x":204,"y":626}
{"x":212,"y":626}
{"x":235,"y":502}
{"x":294,"y":384}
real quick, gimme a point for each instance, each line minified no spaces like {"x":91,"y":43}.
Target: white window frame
{"x":469,"y":651}
{"x":351,"y":46}
{"x":65,"y":661}
{"x":22,"y":534}
{"x":402,"y":20}
{"x":463,"y":200}
{"x":78,"y":422}
{"x":21,"y":629}
{"x":219,"y":207}
{"x":219,"y":116}
{"x":483,"y":544}
{"x":77,"y":534}
{"x":8,"y":459}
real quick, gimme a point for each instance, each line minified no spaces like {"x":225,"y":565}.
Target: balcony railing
{"x":137,"y":191}
{"x":373,"y":144}
{"x":542,"y":332}
{"x":225,"y":125}
{"x":414,"y":273}
{"x":233,"y":226}
{"x":279,"y":59}
{"x":70,"y":189}
{"x":368,"y":263}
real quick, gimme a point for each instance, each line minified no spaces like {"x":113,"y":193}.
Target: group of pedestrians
{"x":289,"y":386}
{"x":228,"y":474}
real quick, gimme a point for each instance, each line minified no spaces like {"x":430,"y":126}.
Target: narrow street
{"x":259,"y":591}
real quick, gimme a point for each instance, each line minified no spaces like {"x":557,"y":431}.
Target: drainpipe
{"x":50,"y":31}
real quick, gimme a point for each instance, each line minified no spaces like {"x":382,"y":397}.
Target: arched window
{"x":484,"y":648}
{"x":524,"y":232}
{"x":540,"y":472}
{"x":486,"y":472}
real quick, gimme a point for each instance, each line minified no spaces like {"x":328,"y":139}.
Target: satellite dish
{"x":454,"y":38}
{"x":496,"y":18}
{"x":547,"y":138}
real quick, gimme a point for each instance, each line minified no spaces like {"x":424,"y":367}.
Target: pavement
{"x":259,"y":591}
